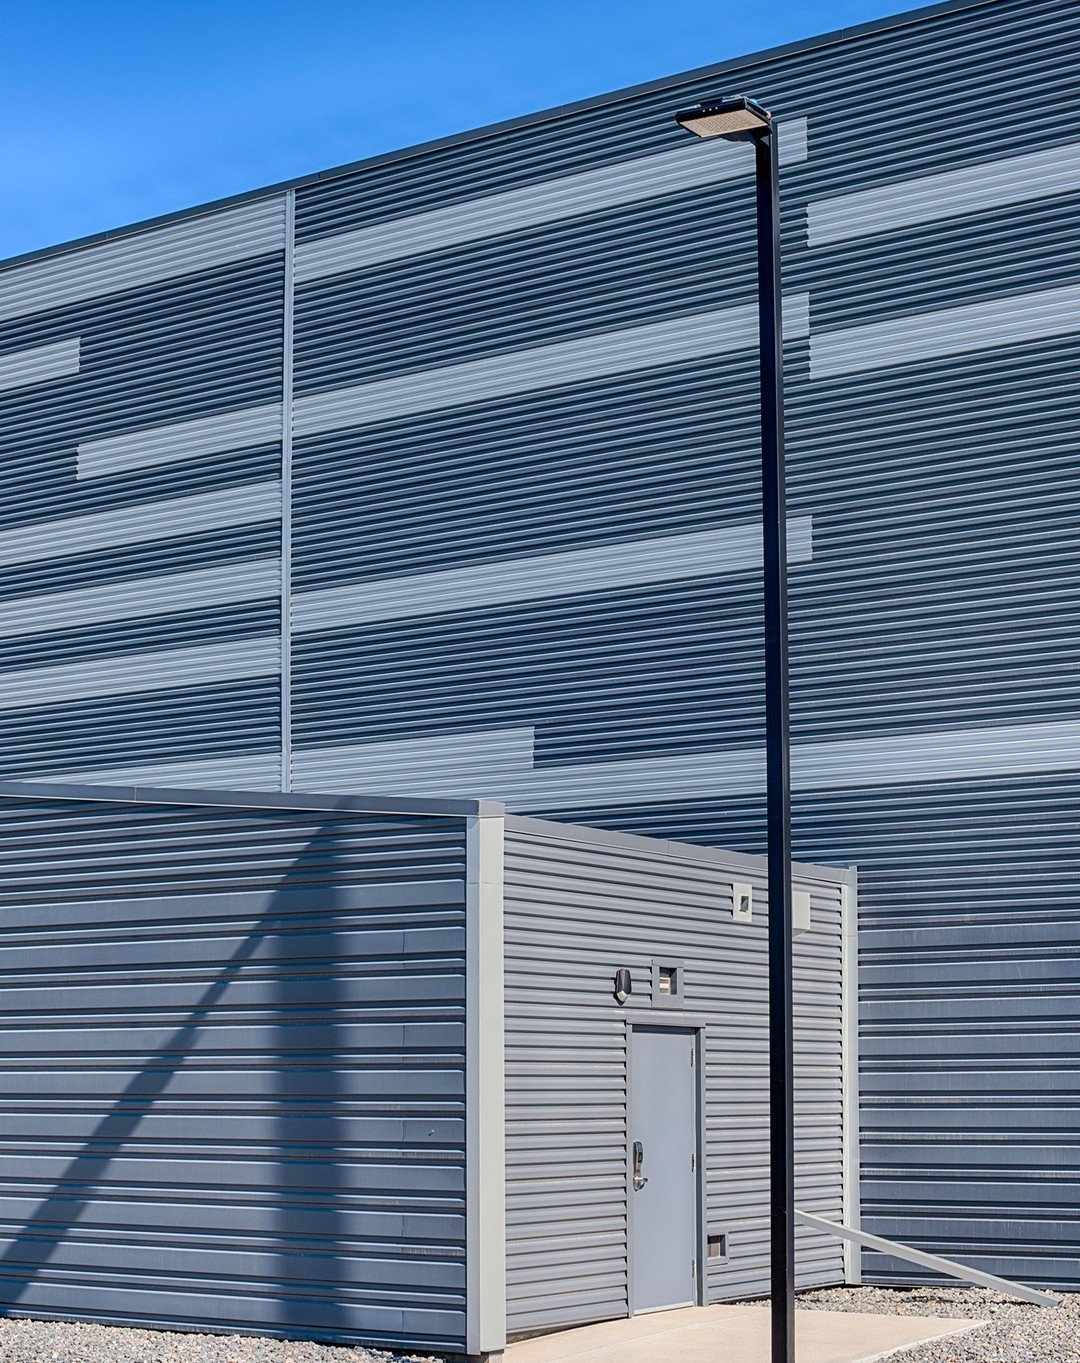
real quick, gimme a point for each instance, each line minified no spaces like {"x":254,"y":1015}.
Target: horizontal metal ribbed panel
{"x":935,"y":621}
{"x":969,"y":982}
{"x":576,"y":911}
{"x":240,"y":1103}
{"x":159,"y":584}
{"x":933,"y":634}
{"x":144,"y":258}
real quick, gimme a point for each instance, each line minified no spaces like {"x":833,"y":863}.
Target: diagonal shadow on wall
{"x":38,"y":1241}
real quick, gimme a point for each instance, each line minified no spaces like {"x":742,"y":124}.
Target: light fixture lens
{"x":737,"y":118}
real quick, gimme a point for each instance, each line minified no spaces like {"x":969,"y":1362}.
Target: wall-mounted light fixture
{"x":624,"y":985}
{"x":742,"y":903}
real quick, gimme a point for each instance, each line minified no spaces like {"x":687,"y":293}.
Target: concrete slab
{"x":735,"y":1334}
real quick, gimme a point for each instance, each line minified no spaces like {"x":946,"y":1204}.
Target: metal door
{"x":663,"y":1168}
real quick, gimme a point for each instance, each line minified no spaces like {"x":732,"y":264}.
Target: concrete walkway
{"x":735,"y":1334}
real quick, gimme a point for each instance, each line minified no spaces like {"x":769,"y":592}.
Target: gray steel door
{"x":663,"y":1181}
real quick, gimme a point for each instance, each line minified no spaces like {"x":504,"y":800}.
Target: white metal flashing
{"x":485,"y":1120}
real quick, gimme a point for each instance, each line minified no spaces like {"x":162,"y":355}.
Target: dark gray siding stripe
{"x":727,"y":549}
{"x":171,"y":353}
{"x":653,"y":345}
{"x":535,"y":474}
{"x":1037,"y":174}
{"x":192,"y":725}
{"x":131,"y":262}
{"x":972,"y":260}
{"x":593,"y":191}
{"x":19,"y":368}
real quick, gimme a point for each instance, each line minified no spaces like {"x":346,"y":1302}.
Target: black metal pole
{"x":777,"y":755}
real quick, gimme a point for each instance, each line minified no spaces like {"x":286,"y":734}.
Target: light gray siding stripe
{"x":702,"y":553}
{"x":129,"y":262}
{"x":951,"y":331}
{"x":586,"y":357}
{"x":149,"y":521}
{"x":569,"y":196}
{"x":939,"y":755}
{"x":217,"y":434}
{"x":141,"y":597}
{"x":247,"y":771}
{"x":454,"y":761}
{"x":19,"y":368}
{"x":613,"y":352}
{"x":158,"y":670}
{"x":929,"y":198}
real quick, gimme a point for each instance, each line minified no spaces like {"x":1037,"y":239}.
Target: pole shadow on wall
{"x":305,"y":1192}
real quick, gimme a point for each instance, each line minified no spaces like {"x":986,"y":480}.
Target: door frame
{"x":651,"y":1021}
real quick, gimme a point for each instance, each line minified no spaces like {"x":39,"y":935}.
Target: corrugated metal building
{"x":252,"y":1069}
{"x":437,"y":475}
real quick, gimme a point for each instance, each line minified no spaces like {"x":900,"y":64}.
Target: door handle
{"x":639,"y":1178}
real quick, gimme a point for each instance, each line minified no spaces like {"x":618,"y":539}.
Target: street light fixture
{"x":739,"y":119}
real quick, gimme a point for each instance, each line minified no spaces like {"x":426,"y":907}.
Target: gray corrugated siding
{"x":574,"y":913}
{"x":232,"y":1070}
{"x":174,"y":325}
{"x":938,"y":605}
{"x":969,"y":942}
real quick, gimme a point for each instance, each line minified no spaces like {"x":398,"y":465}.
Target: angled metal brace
{"x":931,"y":1261}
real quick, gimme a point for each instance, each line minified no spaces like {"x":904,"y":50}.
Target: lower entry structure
{"x":414,"y":1074}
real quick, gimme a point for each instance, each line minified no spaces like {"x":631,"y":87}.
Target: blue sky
{"x":116,"y":110}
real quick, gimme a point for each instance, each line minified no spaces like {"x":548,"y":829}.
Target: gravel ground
{"x":50,"y":1341}
{"x":1016,"y":1333}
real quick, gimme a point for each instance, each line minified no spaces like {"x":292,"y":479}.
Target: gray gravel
{"x":1016,"y":1333}
{"x":50,"y":1341}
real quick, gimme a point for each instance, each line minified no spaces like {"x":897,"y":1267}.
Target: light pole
{"x":739,"y":119}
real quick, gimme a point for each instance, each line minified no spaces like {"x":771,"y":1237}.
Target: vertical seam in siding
{"x":286,"y":488}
